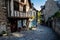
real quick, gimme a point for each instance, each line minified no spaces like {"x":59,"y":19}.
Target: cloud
{"x":38,"y":3}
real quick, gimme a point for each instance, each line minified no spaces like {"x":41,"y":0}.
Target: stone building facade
{"x":50,"y":8}
{"x":3,"y":17}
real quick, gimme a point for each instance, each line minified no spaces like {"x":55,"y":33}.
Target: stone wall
{"x":50,"y":9}
{"x":56,"y":26}
{"x":2,"y":16}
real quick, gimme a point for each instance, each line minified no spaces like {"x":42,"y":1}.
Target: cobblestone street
{"x":29,"y":19}
{"x":40,"y":33}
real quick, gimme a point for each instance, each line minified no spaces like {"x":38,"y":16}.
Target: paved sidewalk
{"x":39,"y":33}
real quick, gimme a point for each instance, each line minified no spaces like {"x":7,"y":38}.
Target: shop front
{"x":18,"y":24}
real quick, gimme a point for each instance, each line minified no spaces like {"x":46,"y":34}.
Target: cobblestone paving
{"x":41,"y":33}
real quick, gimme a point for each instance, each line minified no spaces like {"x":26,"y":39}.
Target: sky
{"x":38,"y":3}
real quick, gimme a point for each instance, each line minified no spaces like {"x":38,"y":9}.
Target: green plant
{"x":57,"y":14}
{"x":39,"y":17}
{"x":30,"y":28}
{"x":3,"y":32}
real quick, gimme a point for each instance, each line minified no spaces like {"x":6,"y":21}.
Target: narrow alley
{"x":40,"y":33}
{"x":29,"y":19}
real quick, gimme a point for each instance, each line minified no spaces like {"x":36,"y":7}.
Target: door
{"x":14,"y":26}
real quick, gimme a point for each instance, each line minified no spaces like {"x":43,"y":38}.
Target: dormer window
{"x":22,"y":1}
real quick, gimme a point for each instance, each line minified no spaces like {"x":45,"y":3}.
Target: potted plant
{"x":1,"y":34}
{"x":4,"y":33}
{"x":30,"y":28}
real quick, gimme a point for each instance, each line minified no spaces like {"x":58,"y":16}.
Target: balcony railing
{"x":21,"y":14}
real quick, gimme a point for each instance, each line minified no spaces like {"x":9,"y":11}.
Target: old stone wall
{"x":56,"y":26}
{"x":3,"y":17}
{"x":50,"y":9}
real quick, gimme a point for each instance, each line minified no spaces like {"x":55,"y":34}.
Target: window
{"x":22,"y":1}
{"x":33,"y":13}
{"x":19,"y":23}
{"x":24,"y":22}
{"x":24,"y":8}
{"x":16,"y":6}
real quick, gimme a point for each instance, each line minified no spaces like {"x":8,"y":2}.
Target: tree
{"x":57,"y":14}
{"x":39,"y":17}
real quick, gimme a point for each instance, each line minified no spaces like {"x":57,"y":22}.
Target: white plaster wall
{"x":27,"y":6}
{"x":20,"y":7}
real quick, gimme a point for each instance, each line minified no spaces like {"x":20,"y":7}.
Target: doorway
{"x":13,"y":26}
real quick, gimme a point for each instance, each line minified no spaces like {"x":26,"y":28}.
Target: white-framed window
{"x":24,"y":22}
{"x":19,"y":23}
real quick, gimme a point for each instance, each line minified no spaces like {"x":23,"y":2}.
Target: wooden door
{"x":14,"y":26}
